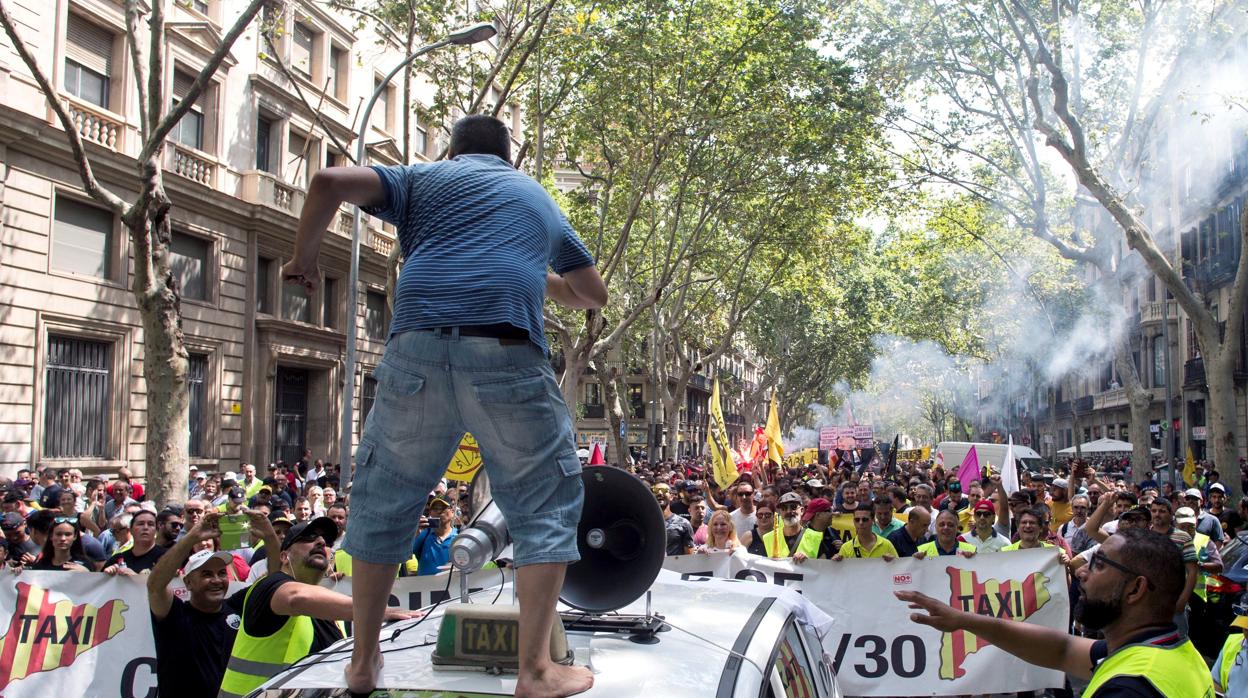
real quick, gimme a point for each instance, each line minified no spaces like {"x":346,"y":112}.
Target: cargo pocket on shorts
{"x":521,"y":411}
{"x":400,"y":407}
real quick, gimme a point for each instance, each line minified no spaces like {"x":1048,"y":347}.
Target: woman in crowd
{"x":721,"y":535}
{"x":765,"y":519}
{"x":63,"y":548}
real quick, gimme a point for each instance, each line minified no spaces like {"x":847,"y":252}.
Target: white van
{"x":955,"y":452}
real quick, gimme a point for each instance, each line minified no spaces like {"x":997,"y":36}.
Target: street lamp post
{"x":461,"y":37}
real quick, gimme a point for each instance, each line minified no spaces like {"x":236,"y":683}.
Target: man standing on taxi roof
{"x":466,"y":353}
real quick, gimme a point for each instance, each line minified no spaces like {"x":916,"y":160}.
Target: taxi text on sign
{"x":877,"y":650}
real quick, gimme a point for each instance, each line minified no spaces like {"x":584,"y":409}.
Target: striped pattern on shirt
{"x":477,"y":237}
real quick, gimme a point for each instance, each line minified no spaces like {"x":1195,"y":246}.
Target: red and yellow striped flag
{"x":43,"y":636}
{"x":1011,"y":598}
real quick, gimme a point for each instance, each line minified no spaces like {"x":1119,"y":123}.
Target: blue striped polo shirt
{"x":477,"y":237}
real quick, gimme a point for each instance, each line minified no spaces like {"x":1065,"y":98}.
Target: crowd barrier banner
{"x":877,"y":650}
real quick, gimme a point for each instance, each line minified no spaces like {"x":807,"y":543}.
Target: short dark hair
{"x":41,"y":520}
{"x":1146,"y":550}
{"x":481,"y":134}
{"x":1127,"y":497}
{"x":1032,"y":511}
{"x":881,"y":502}
{"x":865,"y":506}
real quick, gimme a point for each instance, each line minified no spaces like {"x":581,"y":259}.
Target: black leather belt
{"x":505,"y":333}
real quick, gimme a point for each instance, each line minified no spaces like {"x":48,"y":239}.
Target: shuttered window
{"x":296,"y":170}
{"x":264,"y":139}
{"x":329,"y":310}
{"x":368,"y":395}
{"x":188,"y":257}
{"x":77,"y":396}
{"x":295,"y":303}
{"x":189,"y":131}
{"x":88,"y":60}
{"x":337,"y":73}
{"x":197,"y":391}
{"x":82,"y":239}
{"x":264,"y":295}
{"x":375,"y":323}
{"x":301,"y":51}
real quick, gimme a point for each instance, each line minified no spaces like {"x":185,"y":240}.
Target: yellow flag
{"x":466,"y":461}
{"x":724,"y":468}
{"x":1189,"y":469}
{"x":775,"y":449}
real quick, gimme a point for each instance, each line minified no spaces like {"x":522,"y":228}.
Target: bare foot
{"x":555,"y":680}
{"x":365,"y":679}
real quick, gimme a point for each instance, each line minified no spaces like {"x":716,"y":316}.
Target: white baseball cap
{"x":1193,"y":492}
{"x":202,"y":557}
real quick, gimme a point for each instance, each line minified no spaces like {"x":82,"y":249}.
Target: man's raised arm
{"x":329,"y":189}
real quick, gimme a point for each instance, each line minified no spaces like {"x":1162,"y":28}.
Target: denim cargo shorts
{"x":432,"y":386}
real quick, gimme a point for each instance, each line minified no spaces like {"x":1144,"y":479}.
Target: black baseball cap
{"x":322,"y":526}
{"x":12,"y":521}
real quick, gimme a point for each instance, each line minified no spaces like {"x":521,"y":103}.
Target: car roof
{"x":692,"y":658}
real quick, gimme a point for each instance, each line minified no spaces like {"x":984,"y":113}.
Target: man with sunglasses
{"x":984,"y":536}
{"x":865,"y":544}
{"x":1143,"y":653}
{"x":168,"y":526}
{"x":743,"y":516}
{"x":782,"y":539}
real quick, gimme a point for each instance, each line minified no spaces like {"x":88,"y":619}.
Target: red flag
{"x":758,"y":447}
{"x":595,"y":456}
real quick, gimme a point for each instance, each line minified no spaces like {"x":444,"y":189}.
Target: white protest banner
{"x":69,"y":633}
{"x":877,"y":650}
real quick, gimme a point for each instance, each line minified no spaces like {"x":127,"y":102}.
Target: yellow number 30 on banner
{"x":466,"y":461}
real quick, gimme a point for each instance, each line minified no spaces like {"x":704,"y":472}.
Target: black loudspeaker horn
{"x":622,"y":541}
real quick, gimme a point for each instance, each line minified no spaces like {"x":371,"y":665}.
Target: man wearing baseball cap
{"x":194,"y":637}
{"x":287,"y":615}
{"x":1206,"y":523}
{"x":432,"y":546}
{"x":782,"y":539}
{"x":816,"y":540}
{"x":984,"y":536}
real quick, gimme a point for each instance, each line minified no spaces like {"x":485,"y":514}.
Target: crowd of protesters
{"x":279,"y":534}
{"x":921,"y":510}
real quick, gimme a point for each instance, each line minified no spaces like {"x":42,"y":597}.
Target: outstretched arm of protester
{"x":1003,"y":506}
{"x":329,"y":189}
{"x":299,"y":599}
{"x":261,"y":526}
{"x":1098,"y":517}
{"x":158,"y":595}
{"x":1033,"y":644}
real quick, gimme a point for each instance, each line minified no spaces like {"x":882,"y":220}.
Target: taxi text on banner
{"x":877,"y":650}
{"x":724,"y":467}
{"x":71,"y":634}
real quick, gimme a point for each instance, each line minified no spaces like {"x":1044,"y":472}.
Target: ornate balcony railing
{"x":95,"y":124}
{"x":187,"y":163}
{"x":261,"y":187}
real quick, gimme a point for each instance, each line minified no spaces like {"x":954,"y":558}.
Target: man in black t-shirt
{"x":21,"y":548}
{"x":194,"y":637}
{"x":679,"y":530}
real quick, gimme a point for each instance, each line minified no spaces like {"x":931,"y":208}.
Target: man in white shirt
{"x":984,"y":535}
{"x":743,"y":518}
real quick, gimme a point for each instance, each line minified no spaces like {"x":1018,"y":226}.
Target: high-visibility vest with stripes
{"x":1230,"y":649}
{"x":255,"y":660}
{"x":1176,"y":672}
{"x":809,"y":543}
{"x":931,"y":550}
{"x":1201,"y":541}
{"x":1018,"y":546}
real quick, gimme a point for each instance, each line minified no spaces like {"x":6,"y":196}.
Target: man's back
{"x":478,"y":237}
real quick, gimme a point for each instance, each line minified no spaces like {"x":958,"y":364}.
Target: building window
{"x":264,"y":139}
{"x":189,"y":130}
{"x":301,"y":51}
{"x":88,"y":61}
{"x":264,"y":292}
{"x":337,"y":73}
{"x":329,"y":304}
{"x":636,"y":401}
{"x":295,"y":303}
{"x":82,"y":239}
{"x":200,"y":6}
{"x":375,"y":321}
{"x":422,"y":140}
{"x":333,"y":158}
{"x":382,"y":117}
{"x":368,"y":394}
{"x":188,"y":258}
{"x":297,"y":171}
{"x":197,"y":392}
{"x":77,"y":397}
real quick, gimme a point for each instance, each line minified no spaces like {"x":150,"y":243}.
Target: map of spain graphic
{"x":1017,"y":600}
{"x":43,"y":636}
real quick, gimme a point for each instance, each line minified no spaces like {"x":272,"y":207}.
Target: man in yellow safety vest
{"x":286,"y":614}
{"x":1131,"y":587}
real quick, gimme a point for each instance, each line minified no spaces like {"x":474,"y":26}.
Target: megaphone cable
{"x":716,"y":645}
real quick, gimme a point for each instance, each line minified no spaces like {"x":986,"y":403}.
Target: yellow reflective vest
{"x":930,"y":549}
{"x":1176,"y":672}
{"x":1201,"y":541}
{"x":255,"y":660}
{"x":1230,"y":649}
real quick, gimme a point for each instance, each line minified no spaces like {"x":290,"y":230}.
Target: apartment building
{"x":267,"y":360}
{"x":1194,"y":181}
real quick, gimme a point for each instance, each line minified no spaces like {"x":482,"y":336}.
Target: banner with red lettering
{"x":876,"y":650}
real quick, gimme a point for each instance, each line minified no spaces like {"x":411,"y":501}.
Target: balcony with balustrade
{"x":267,"y":189}
{"x":97,"y":124}
{"x":1151,"y":313}
{"x":191,"y":164}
